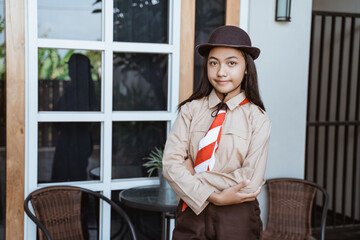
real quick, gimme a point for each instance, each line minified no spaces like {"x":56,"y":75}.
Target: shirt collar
{"x":232,"y":103}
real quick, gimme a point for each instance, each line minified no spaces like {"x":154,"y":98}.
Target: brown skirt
{"x":238,"y":221}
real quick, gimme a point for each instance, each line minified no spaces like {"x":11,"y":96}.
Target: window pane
{"x":69,"y":19}
{"x":141,"y":21}
{"x":69,"y":80}
{"x":2,"y":122}
{"x":68,"y":151}
{"x":90,"y":209}
{"x":133,"y":141}
{"x":147,"y":224}
{"x":209,"y":15}
{"x":140,"y":81}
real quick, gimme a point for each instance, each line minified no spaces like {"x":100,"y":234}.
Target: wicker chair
{"x":58,"y":212}
{"x":289,"y":210}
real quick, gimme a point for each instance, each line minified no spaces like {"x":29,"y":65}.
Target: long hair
{"x":249,"y":83}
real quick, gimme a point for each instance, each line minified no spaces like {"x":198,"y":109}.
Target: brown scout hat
{"x":229,"y":36}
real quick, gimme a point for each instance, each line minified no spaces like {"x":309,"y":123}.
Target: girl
{"x":215,"y":155}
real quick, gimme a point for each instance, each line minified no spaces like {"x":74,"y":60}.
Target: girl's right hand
{"x":233,"y":196}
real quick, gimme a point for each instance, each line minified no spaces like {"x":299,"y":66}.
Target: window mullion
{"x":175,"y":58}
{"x":106,"y":155}
{"x":31,"y":104}
{"x":142,"y":47}
{"x":71,"y":44}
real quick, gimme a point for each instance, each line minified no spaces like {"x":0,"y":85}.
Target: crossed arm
{"x":231,"y":195}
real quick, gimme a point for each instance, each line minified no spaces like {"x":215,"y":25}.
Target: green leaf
{"x":154,"y":160}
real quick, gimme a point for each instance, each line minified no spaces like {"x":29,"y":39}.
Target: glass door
{"x":102,"y":91}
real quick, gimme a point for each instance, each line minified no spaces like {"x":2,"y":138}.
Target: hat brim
{"x":204,"y":48}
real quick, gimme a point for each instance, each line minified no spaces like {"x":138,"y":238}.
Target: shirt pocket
{"x":234,"y":145}
{"x":243,"y":134}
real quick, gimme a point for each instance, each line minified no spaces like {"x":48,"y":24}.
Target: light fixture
{"x":282,"y":10}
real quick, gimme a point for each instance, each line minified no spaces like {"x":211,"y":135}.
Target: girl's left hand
{"x":233,"y":195}
{"x":189,"y":166}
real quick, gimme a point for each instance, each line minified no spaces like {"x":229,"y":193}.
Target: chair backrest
{"x":58,"y":211}
{"x":290,"y":206}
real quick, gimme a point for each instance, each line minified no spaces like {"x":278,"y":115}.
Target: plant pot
{"x":163,"y":182}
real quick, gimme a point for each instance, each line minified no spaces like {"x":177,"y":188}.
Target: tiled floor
{"x":2,"y":230}
{"x":343,"y":236}
{"x":350,"y":235}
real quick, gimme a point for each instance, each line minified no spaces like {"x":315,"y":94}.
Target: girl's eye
{"x":232,"y":63}
{"x":212,"y":63}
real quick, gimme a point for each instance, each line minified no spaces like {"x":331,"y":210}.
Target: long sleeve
{"x":191,"y":189}
{"x":254,"y":164}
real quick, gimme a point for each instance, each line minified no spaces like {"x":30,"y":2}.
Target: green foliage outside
{"x":52,"y":66}
{"x":2,"y":50}
{"x":2,"y":85}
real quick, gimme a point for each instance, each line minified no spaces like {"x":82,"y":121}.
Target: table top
{"x":150,"y":198}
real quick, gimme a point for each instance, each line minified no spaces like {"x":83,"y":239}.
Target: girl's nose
{"x":222,"y":71}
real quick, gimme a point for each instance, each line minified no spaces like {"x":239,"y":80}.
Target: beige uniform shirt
{"x":241,"y":154}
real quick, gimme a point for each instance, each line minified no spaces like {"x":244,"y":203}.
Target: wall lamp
{"x":282,"y":10}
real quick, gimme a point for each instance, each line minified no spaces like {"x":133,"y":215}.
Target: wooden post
{"x":15,"y":117}
{"x":187,"y":42}
{"x":232,"y":12}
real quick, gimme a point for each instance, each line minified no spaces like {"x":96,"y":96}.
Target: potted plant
{"x":154,"y":162}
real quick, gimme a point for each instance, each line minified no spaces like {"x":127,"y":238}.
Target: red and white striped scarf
{"x":205,"y":158}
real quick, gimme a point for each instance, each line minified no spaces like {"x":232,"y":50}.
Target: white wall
{"x":283,"y":75}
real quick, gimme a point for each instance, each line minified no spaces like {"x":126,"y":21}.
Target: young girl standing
{"x":215,"y":154}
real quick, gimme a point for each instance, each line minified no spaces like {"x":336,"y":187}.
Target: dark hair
{"x":249,"y":83}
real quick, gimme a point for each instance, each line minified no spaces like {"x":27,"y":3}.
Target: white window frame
{"x":107,"y":116}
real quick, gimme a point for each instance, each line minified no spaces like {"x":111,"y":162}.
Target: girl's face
{"x":226,"y":67}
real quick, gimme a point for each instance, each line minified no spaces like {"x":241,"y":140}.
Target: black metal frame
{"x":95,"y":194}
{"x":341,"y":122}
{"x":286,"y":18}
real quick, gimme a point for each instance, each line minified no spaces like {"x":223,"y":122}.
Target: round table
{"x":153,"y":198}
